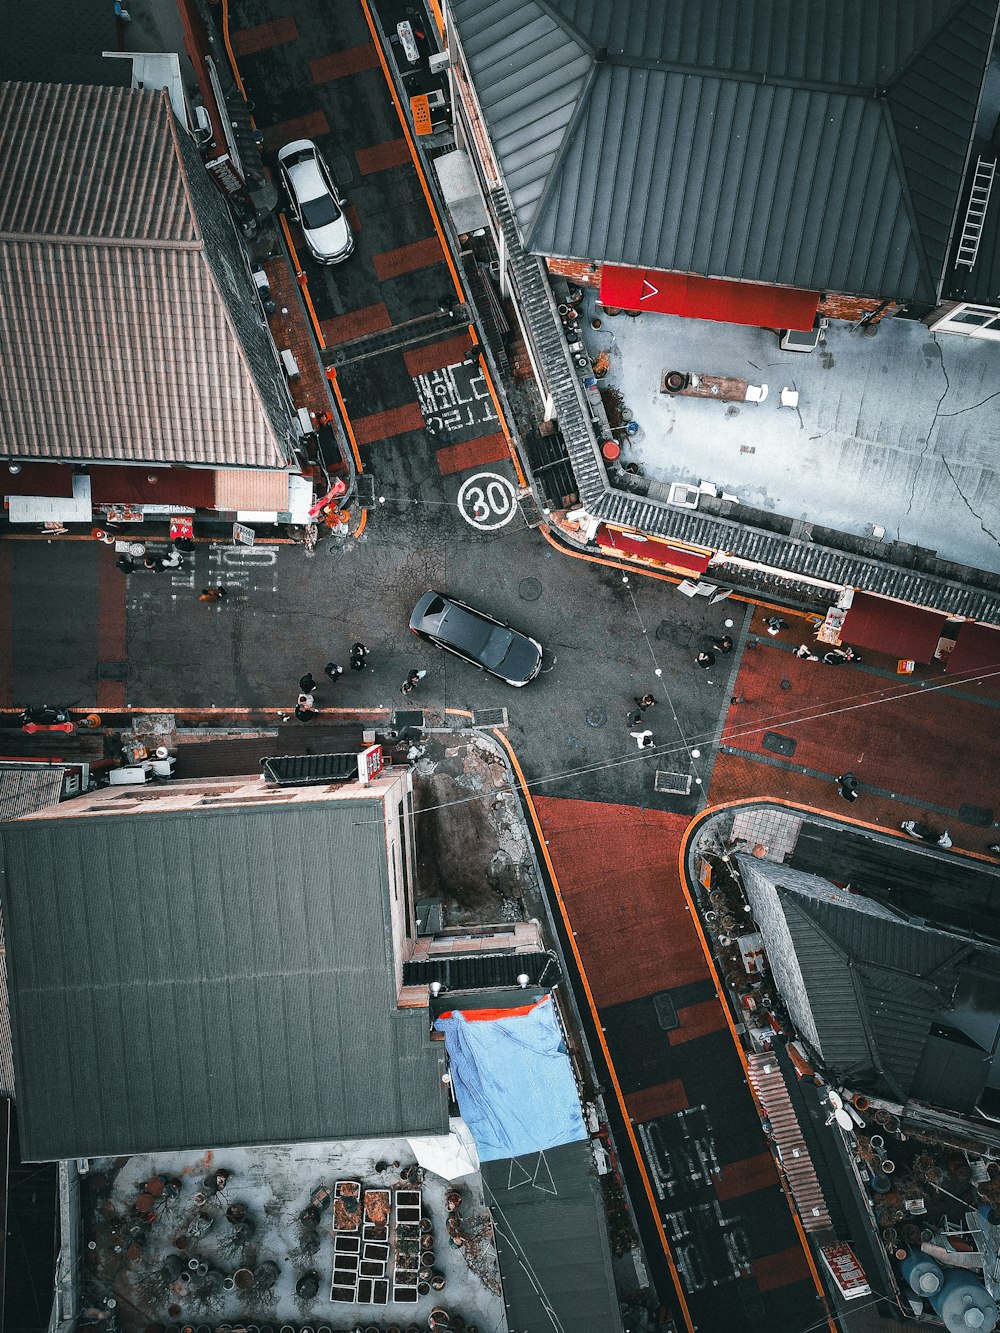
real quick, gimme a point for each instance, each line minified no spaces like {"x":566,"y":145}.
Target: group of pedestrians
{"x":721,"y":646}
{"x":640,"y":733}
{"x":305,"y":705}
{"x":153,"y":564}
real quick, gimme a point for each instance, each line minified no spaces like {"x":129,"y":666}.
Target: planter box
{"x":346,"y":1244}
{"x":365,"y":1287}
{"x":373,"y":1268}
{"x":380,"y":1293}
{"x":343,"y":1294}
{"x":347,"y":1212}
{"x":374,"y":1250}
{"x":404,"y":1295}
{"x":378,"y":1206}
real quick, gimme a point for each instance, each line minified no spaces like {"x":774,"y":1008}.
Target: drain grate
{"x":975,"y":814}
{"x":489,"y":717}
{"x":366,"y":488}
{"x":674,"y":784}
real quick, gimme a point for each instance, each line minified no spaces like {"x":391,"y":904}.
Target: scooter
{"x":921,"y":833}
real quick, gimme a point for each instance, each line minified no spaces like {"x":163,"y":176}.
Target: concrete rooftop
{"x":900,"y":429}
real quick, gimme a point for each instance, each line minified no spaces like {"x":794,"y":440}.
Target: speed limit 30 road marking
{"x":487,"y":501}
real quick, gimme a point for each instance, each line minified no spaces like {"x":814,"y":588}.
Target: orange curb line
{"x":229,"y":49}
{"x":571,"y":936}
{"x":459,"y":712}
{"x":331,"y":375}
{"x":741,"y":1053}
{"x":362,"y":523}
{"x":438,"y":17}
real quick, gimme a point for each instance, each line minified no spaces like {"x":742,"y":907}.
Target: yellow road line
{"x":571,"y":936}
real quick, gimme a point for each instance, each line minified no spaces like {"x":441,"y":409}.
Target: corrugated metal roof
{"x":209,"y":977}
{"x":25,"y":790}
{"x":552,"y":1240}
{"x":128,"y":321}
{"x":819,"y":148}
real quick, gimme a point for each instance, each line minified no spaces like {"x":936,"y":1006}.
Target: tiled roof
{"x":818,"y":147}
{"x":127,"y":318}
{"x":25,"y":790}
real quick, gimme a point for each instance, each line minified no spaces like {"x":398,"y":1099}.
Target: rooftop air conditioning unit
{"x":439,"y":61}
{"x":800,"y":340}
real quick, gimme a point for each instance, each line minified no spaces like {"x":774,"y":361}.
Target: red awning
{"x":193,"y":487}
{"x":708,"y":298}
{"x":53,"y":480}
{"x":648,"y":548}
{"x":892,"y":627}
{"x":977,"y":649}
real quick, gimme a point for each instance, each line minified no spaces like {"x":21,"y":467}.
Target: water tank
{"x":963,"y":1303}
{"x":922,"y":1273}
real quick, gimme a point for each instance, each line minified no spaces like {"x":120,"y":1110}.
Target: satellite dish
{"x":835,"y":1099}
{"x":843,"y":1119}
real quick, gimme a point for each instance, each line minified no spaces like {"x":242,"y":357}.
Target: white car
{"x":317,"y":206}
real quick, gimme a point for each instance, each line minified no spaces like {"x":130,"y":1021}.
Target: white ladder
{"x":975,"y":215}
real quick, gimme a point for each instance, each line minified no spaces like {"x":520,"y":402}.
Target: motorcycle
{"x":923,"y":833}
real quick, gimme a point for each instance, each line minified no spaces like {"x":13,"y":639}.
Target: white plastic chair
{"x":756,"y":393}
{"x":789,"y":397}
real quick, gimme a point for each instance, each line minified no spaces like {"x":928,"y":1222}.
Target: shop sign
{"x":847,"y":1273}
{"x":221,"y":168}
{"x":370,"y":764}
{"x":242,"y":535}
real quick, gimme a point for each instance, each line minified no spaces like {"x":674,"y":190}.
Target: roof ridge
{"x":561,"y":21}
{"x":569,"y":135}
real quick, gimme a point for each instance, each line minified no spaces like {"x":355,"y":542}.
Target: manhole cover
{"x":778,"y":744}
{"x":341,"y":167}
{"x":530,"y":590}
{"x":596,"y":717}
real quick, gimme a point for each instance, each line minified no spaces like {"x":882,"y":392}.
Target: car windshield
{"x":495,"y":648}
{"x":319,"y":212}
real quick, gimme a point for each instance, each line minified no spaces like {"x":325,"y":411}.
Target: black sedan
{"x":485,"y":642}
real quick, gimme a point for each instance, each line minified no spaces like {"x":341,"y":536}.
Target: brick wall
{"x":580,"y":271}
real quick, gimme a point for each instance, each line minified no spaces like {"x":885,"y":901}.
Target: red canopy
{"x":649,"y":548}
{"x":112,"y":484}
{"x":892,"y":627}
{"x":51,"y":480}
{"x":708,"y":298}
{"x":977,"y":649}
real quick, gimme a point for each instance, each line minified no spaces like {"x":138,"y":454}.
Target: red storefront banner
{"x":708,"y":298}
{"x":649,"y":548}
{"x":144,"y":485}
{"x":977,"y":649}
{"x":842,"y":1265}
{"x":51,"y":480}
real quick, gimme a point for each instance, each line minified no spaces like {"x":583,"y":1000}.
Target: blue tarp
{"x":514,"y":1082}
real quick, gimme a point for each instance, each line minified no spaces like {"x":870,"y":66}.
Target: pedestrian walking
{"x":333,"y":670}
{"x":306,"y":700}
{"x":774,"y":625}
{"x":705,"y":659}
{"x":411,"y":681}
{"x":121,"y":13}
{"x":644,"y":739}
{"x":806,"y":653}
{"x":847,"y":785}
{"x":212,"y":594}
{"x":647,"y":701}
{"x":735,"y":699}
{"x":837,"y":656}
{"x":635,"y":717}
{"x":304,"y":713}
{"x":152,"y":564}
{"x":306,"y":683}
{"x":723,"y":645}
{"x":359,"y":656}
{"x":172,"y":560}
{"x":126,"y":564}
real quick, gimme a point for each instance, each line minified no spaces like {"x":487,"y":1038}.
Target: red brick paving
{"x":310,"y":126}
{"x":262,"y":38}
{"x":781,"y":1270}
{"x":383,"y":425}
{"x":407,"y":258}
{"x":663,"y":1099}
{"x":928,"y":744}
{"x":746,"y":1177}
{"x":472,"y":453}
{"x":381,"y":156}
{"x":110,"y":625}
{"x":697,"y":1020}
{"x":356,"y":323}
{"x":617,"y":867}
{"x":419,"y":360}
{"x":325,"y":68}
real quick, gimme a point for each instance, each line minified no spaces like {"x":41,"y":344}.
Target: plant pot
{"x":423,"y":1288}
{"x":861,"y":1103}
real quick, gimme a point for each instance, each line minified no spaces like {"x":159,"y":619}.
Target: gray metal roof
{"x":875,"y":983}
{"x":129,"y":321}
{"x":821,"y":147}
{"x":24,"y":790}
{"x":209,"y":978}
{"x":552,"y":1241}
